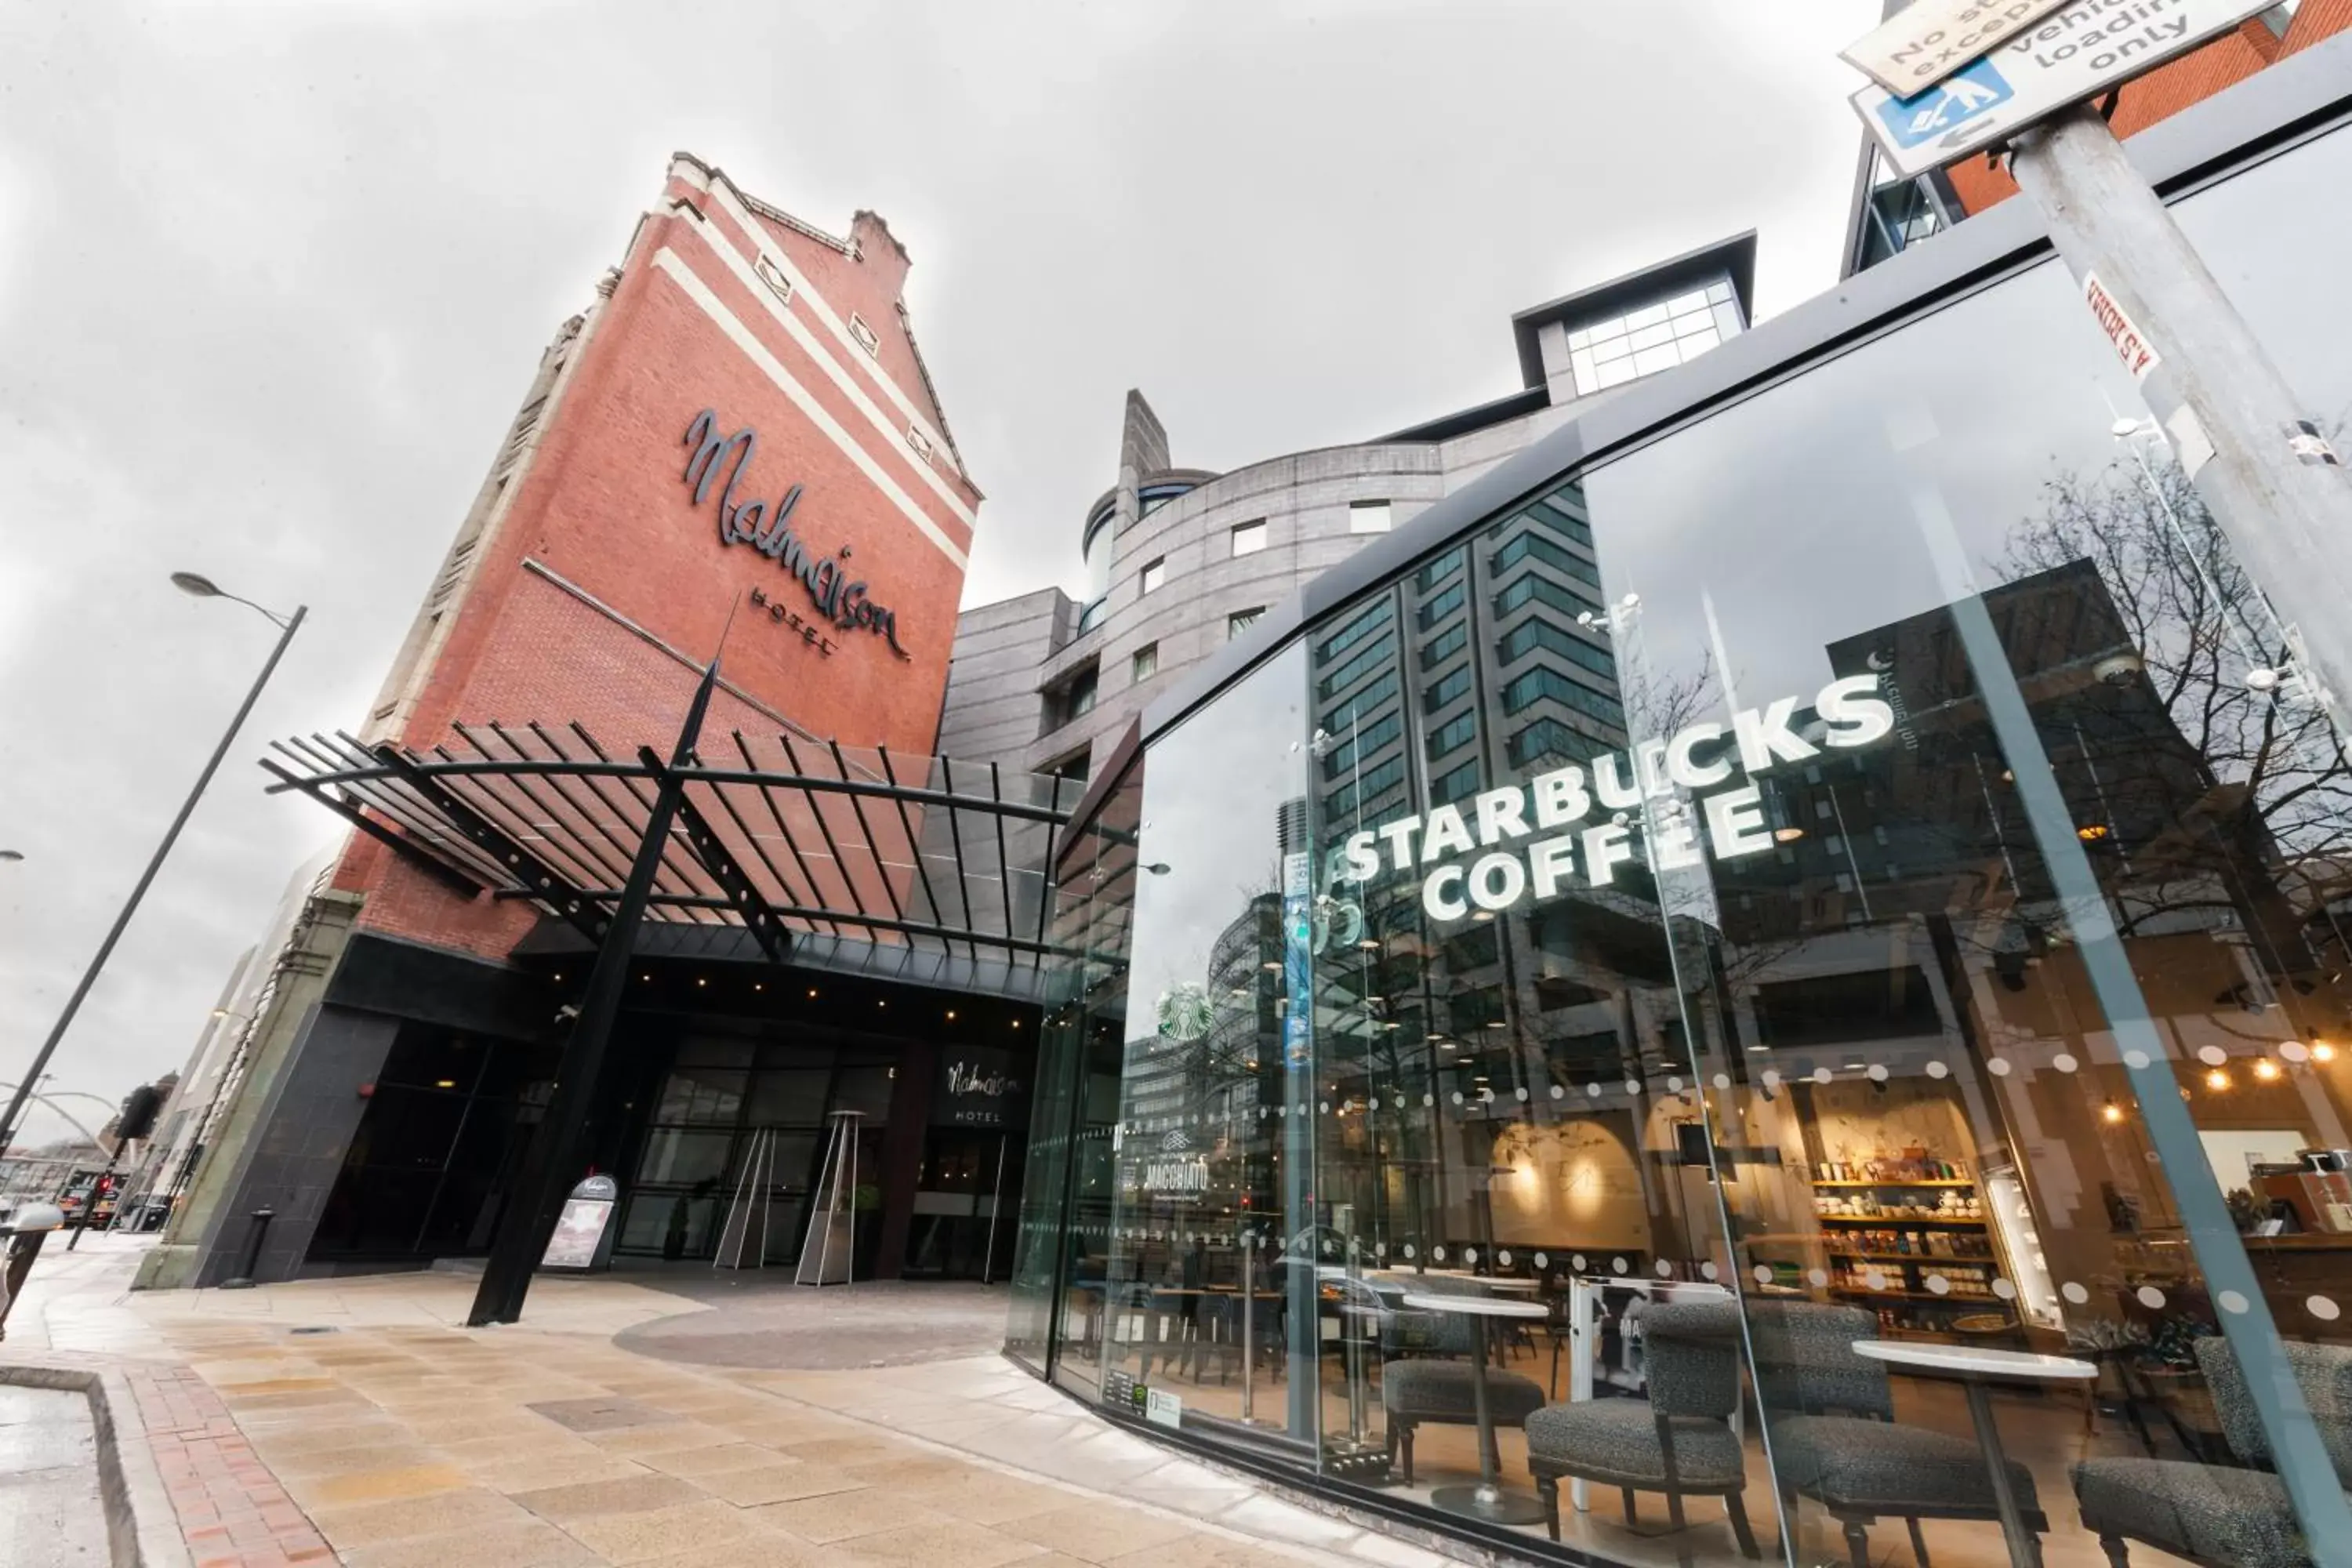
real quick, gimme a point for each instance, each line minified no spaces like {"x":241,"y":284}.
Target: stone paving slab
{"x":400,"y":1437}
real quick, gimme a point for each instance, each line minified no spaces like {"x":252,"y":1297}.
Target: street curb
{"x":142,"y":1530}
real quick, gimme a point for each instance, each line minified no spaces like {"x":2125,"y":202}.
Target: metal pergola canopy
{"x":792,"y":841}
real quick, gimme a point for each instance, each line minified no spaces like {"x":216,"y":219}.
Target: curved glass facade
{"x":1671,"y":978}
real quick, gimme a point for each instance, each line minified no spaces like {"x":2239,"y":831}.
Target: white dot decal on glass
{"x":1666,"y":1269}
{"x":1593,"y":1090}
{"x":1817,"y":1277}
{"x":2135,"y":1060}
{"x":1673,"y":1085}
{"x":1998,"y":1066}
{"x":2064,"y":1062}
{"x":1763,"y":1274}
{"x":1723,"y":1080}
{"x":1380,"y":1249}
{"x":1263,"y":1114}
{"x":1879,"y":1072}
{"x":1937,"y":1070}
{"x":1323,"y":1107}
{"x":1438,"y":1253}
{"x":1470,"y":1255}
{"x":1556,"y":1091}
{"x":1428,"y":1099}
{"x":1617,"y":1266}
{"x":1408,"y":1249}
{"x":1542,"y":1261}
{"x":2151,"y":1297}
{"x":1706,"y":1271}
{"x":1632,"y":1085}
{"x":2294,"y":1051}
{"x":1503,"y":1259}
{"x":1576,"y":1263}
{"x":1771,"y":1079}
{"x":1485,"y":1096}
{"x":1875,"y":1280}
{"x":2073,"y":1293}
{"x":2212,"y":1055}
{"x":2231,"y":1301}
{"x":1938,"y":1285}
{"x":2323,"y":1307}
{"x":1457,"y":1097}
{"x":1521,"y":1091}
{"x":2005,"y":1290}
{"x":1822,"y":1075}
{"x":1373,"y":1103}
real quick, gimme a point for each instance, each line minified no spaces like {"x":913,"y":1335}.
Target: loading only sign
{"x":2072,"y":55}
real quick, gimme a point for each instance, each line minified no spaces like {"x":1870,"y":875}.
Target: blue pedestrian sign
{"x":1946,"y":106}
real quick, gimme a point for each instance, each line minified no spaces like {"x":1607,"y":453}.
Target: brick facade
{"x":2169,"y":88}
{"x":587,"y":586}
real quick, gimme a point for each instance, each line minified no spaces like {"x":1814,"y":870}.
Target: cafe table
{"x":1487,"y":1500}
{"x":1976,"y":1369}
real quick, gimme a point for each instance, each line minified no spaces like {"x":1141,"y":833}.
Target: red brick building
{"x":587,"y":584}
{"x":735,"y":452}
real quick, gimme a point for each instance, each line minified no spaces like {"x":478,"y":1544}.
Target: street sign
{"x":1927,"y":40}
{"x":2082,"y":50}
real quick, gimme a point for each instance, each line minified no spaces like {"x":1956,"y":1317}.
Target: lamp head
{"x":39,"y":1216}
{"x":196,"y":584}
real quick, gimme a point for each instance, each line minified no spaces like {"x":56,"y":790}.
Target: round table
{"x":1975,"y":1370}
{"x":1486,"y":1500}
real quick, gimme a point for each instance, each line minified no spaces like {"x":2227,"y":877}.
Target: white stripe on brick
{"x":743,"y":338}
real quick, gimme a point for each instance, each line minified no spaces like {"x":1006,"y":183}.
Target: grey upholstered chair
{"x":1680,"y":1442}
{"x":2211,"y":1513}
{"x":1829,"y":1414}
{"x":1435,"y":1381}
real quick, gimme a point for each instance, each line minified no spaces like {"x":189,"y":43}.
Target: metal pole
{"x":2281,"y":499}
{"x":130,"y":907}
{"x":96,"y":1190}
{"x":995,"y":1207}
{"x":546,"y":1179}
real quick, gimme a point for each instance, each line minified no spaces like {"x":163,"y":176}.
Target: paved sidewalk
{"x":355,"y":1416}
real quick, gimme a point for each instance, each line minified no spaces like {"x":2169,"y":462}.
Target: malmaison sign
{"x":767,"y":526}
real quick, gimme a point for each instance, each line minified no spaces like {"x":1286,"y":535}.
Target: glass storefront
{"x":1598,"y":1036}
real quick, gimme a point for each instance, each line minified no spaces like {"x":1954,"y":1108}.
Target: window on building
{"x":1443,"y":605}
{"x":1154,"y":573}
{"x":1444,"y":646}
{"x":1073,"y":767}
{"x":1147,"y":662}
{"x":1457,"y":786}
{"x":2277,"y":17}
{"x":1364,"y":740}
{"x":1249,"y":538}
{"x":1544,"y":591}
{"x":774,"y":277}
{"x":1438,"y":571}
{"x":1372,"y":620}
{"x":1535,"y":547}
{"x":1452,"y":735}
{"x":1355,"y":669}
{"x":1073,"y":699}
{"x":865,"y":336}
{"x":1368,"y":516}
{"x":1447,"y":688}
{"x":1536,"y":632}
{"x":1241,"y":621}
{"x":1540,"y":683}
{"x":1654,"y":338}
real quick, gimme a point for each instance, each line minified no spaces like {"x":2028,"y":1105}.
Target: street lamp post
{"x":202,"y":588}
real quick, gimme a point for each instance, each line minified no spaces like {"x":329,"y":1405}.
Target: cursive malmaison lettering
{"x":965,"y":1078}
{"x":766,"y":526}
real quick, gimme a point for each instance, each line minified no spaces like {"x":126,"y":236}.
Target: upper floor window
{"x":1249,"y":538}
{"x":1241,"y":621}
{"x":1147,"y":662}
{"x":865,"y":335}
{"x":1154,"y":573}
{"x":1368,"y":516}
{"x":1073,"y":699}
{"x":1655,"y":338}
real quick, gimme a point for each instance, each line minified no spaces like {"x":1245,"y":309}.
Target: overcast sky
{"x":273,"y":279}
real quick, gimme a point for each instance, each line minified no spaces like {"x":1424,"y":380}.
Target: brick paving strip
{"x":231,"y":1511}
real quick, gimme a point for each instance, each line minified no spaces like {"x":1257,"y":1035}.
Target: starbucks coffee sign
{"x":1540,"y":837}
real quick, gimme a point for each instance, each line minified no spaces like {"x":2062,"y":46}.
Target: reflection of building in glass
{"x":1180,"y":561}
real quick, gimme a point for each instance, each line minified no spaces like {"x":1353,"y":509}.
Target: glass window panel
{"x":1727,"y":319}
{"x":1649,"y":316}
{"x":1368,"y":516}
{"x":1615,"y":349}
{"x":1587,"y":375}
{"x":1687,"y":304}
{"x":1249,"y":538}
{"x":1580,"y":338}
{"x":1720,"y":293}
{"x":1617,"y":373}
{"x":1650,"y":337}
{"x":1649,"y":362}
{"x":680,"y":1156}
{"x":1697,"y":343}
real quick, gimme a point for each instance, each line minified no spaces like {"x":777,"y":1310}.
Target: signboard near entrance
{"x":978,"y":1087}
{"x":2074,"y":54}
{"x":1927,"y":40}
{"x":581,"y":1231}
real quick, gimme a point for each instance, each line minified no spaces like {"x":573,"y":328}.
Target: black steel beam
{"x":742,"y":894}
{"x":400,"y":844}
{"x":572,"y":906}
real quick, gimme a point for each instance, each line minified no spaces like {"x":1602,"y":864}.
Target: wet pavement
{"x":50,"y":1515}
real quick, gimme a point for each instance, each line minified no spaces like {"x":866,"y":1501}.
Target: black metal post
{"x":172,"y":836}
{"x":97,"y":1188}
{"x":244,"y":1277}
{"x":549,"y":1169}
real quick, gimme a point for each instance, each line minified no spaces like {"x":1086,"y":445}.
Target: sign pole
{"x":2277,"y":489}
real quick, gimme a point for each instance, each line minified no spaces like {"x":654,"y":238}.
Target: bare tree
{"x":2263,"y":817}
